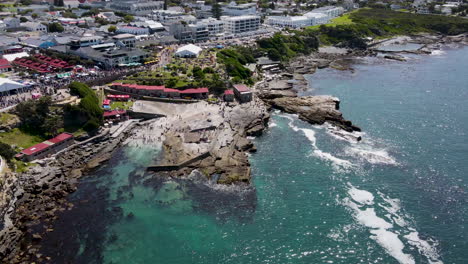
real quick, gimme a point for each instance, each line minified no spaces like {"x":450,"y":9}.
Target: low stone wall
{"x":142,"y":115}
{"x":180,"y":165}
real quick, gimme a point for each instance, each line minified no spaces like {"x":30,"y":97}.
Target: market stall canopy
{"x":8,"y":85}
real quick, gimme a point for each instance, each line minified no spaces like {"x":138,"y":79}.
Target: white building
{"x":233,"y":9}
{"x":330,"y":11}
{"x":188,"y":51}
{"x":310,"y":19}
{"x":215,"y":27}
{"x":133,"y":30}
{"x":86,"y":41}
{"x":168,"y":16}
{"x":140,"y":7}
{"x":240,"y":24}
{"x":34,"y":26}
{"x":125,"y":40}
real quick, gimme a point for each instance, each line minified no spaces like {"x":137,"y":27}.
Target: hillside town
{"x":78,"y":78}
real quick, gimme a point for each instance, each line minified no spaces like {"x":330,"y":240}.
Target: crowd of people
{"x":50,"y":85}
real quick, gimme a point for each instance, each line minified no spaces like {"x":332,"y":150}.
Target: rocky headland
{"x":31,"y":200}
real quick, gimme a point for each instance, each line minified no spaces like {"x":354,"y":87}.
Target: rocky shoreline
{"x":32,"y":199}
{"x":212,"y":140}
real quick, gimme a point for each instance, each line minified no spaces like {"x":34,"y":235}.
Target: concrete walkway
{"x":118,"y":129}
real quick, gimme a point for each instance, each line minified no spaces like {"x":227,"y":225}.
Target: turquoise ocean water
{"x":399,"y":196}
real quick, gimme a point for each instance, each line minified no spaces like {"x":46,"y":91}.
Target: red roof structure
{"x":35,"y":148}
{"x":114,"y":113}
{"x":228,"y":92}
{"x":241,"y":88}
{"x":46,"y":144}
{"x":106,"y":102}
{"x":195,"y":91}
{"x":4,"y":64}
{"x":123,"y":96}
{"x":60,"y":138}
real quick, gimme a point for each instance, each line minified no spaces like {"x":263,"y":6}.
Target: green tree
{"x":216,"y":10}
{"x":33,"y":114}
{"x":128,"y":18}
{"x":34,"y":15}
{"x":55,"y":27}
{"x":112,"y":29}
{"x":23,"y":19}
{"x":6,"y":151}
{"x":26,"y":2}
{"x":53,"y":124}
{"x":198,"y":73}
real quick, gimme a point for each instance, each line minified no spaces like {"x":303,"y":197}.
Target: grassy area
{"x":21,"y":166}
{"x":19,"y":138}
{"x":121,"y":105}
{"x":5,"y":117}
{"x":341,"y":20}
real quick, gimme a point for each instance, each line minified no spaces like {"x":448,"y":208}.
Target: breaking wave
{"x":388,"y":232}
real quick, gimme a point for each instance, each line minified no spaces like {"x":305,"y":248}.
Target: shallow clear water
{"x":399,"y":196}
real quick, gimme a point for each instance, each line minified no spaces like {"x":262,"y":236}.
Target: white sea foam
{"x":378,"y":227}
{"x":336,"y":162}
{"x":371,"y":155}
{"x":272,"y":124}
{"x":392,"y":244}
{"x":361,"y":196}
{"x":437,"y":52}
{"x":392,"y":206}
{"x":425,"y":248}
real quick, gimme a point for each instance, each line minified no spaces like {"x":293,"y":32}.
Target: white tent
{"x":8,"y":85}
{"x":12,"y":57}
{"x":189,"y":50}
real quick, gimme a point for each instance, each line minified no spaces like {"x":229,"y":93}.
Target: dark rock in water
{"x":130,"y":215}
{"x":36,"y":238}
{"x":112,"y":238}
{"x":395,"y":57}
{"x":315,"y":110}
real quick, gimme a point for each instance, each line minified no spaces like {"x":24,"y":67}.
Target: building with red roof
{"x":242,"y":93}
{"x":229,"y":95}
{"x":5,"y":65}
{"x":46,"y":148}
{"x":198,"y":93}
{"x":116,"y":115}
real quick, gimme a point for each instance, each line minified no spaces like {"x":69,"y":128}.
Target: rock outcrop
{"x":315,"y":110}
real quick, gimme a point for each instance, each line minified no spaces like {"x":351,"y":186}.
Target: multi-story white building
{"x":133,"y":30}
{"x":169,"y":17}
{"x":215,"y":27}
{"x":309,"y":19}
{"x":140,"y":7}
{"x":125,"y":40}
{"x":233,"y":9}
{"x":330,"y":11}
{"x":240,"y":24}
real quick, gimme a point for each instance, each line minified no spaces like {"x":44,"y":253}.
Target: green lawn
{"x":21,"y":166}
{"x":5,"y":117}
{"x":341,"y":20}
{"x":121,"y":105}
{"x":19,"y":138}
